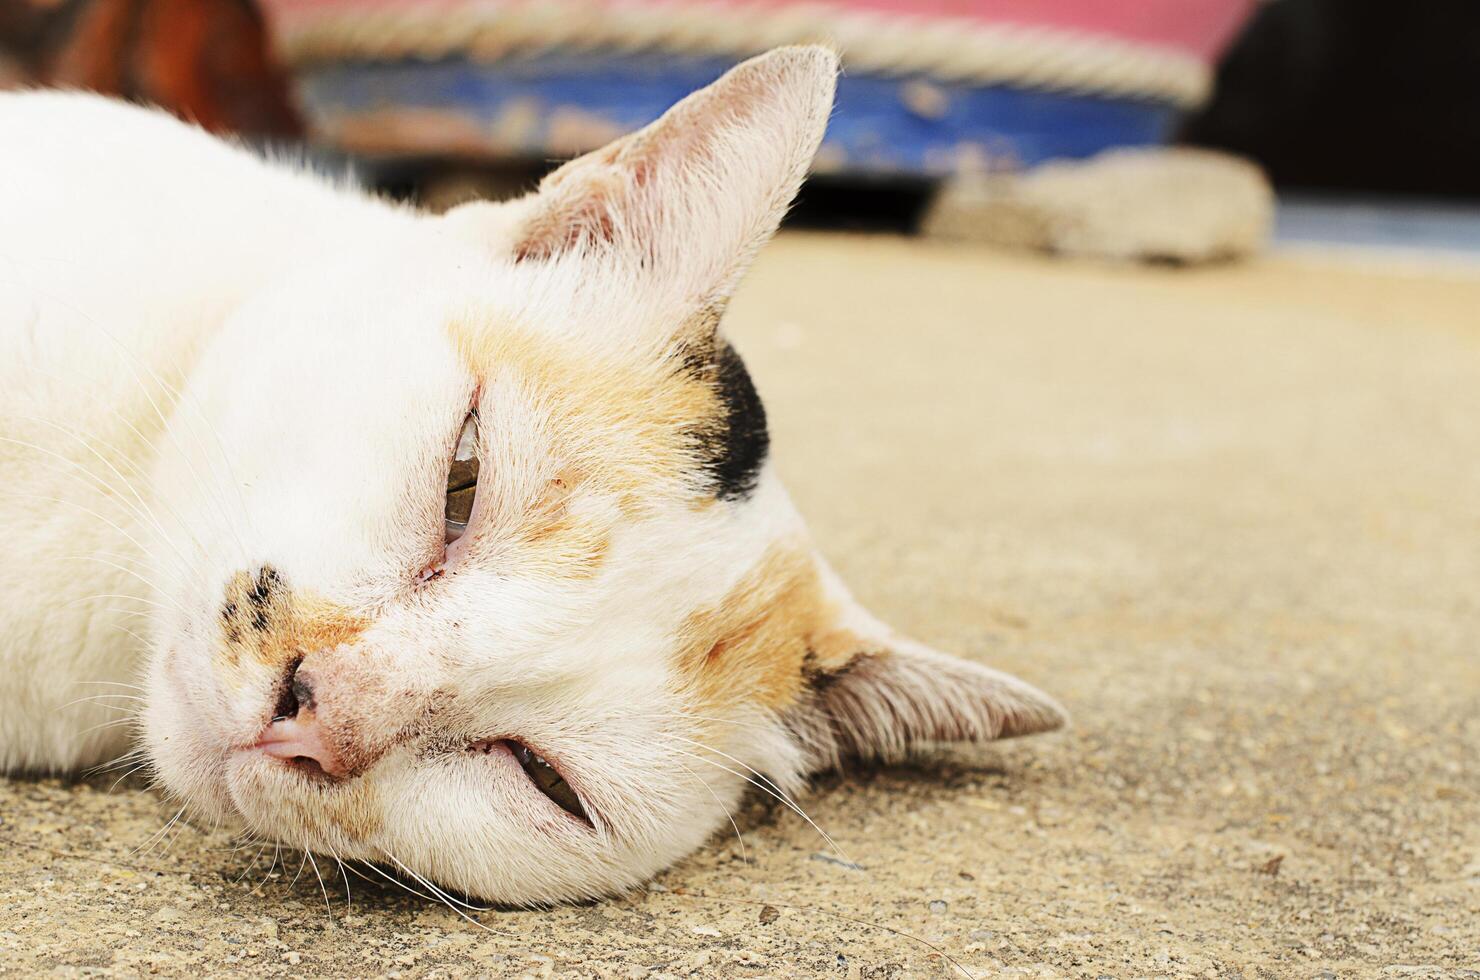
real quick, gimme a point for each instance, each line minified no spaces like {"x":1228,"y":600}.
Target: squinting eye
{"x":462,"y":480}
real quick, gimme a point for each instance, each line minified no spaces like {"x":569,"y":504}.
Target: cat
{"x":447,"y":542}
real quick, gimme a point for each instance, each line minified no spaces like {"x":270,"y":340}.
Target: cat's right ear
{"x":681,"y":206}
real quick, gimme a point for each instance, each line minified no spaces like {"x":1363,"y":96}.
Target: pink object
{"x":1195,"y":28}
{"x":301,"y":737}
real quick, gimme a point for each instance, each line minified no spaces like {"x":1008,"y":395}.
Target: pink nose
{"x":300,"y":739}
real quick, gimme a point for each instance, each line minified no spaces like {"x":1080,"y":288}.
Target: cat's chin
{"x":279,"y":801}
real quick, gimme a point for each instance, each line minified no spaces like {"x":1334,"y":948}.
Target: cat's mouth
{"x":295,"y":736}
{"x":542,"y":774}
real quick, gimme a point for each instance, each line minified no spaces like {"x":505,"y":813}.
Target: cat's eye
{"x":462,"y":480}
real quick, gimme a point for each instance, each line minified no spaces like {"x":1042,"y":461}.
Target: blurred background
{"x":1365,"y":115}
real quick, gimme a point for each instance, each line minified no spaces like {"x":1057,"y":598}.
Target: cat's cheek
{"x":185,"y":761}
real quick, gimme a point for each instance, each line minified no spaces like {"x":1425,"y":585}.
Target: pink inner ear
{"x":581,"y":221}
{"x":747,"y":139}
{"x":579,"y":203}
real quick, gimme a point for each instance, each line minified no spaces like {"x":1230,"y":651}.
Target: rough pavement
{"x":1230,"y":517}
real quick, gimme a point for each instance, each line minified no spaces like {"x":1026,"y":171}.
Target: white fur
{"x":209,"y":364}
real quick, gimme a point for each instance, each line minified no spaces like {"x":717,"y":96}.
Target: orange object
{"x":204,"y":60}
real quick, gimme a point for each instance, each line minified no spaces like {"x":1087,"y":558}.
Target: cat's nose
{"x":301,"y":740}
{"x":301,"y":688}
{"x":296,"y":734}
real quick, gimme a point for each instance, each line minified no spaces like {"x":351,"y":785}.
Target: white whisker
{"x":135,"y":687}
{"x":157,"y":835}
{"x":418,"y":894}
{"x":436,"y":890}
{"x":767,"y":787}
{"x":153,"y":586}
{"x":322,"y":888}
{"x":343,"y":873}
{"x":141,"y":508}
{"x":728,"y":815}
{"x":126,"y":775}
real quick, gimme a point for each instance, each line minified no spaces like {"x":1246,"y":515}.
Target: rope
{"x":948,"y":49}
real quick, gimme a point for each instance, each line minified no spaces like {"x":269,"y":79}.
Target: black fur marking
{"x":732,"y":446}
{"x":265,"y":588}
{"x":266,"y":591}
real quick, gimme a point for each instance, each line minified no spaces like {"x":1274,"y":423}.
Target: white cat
{"x":445,"y":542}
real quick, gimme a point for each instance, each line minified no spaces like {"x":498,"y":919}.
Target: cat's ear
{"x":878,"y":696}
{"x":685,"y":202}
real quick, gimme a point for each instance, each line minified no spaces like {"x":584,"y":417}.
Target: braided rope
{"x":952,"y":50}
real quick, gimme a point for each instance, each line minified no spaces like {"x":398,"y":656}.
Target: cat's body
{"x":125,"y":240}
{"x":245,"y":402}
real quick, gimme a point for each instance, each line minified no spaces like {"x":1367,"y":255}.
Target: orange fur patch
{"x":774,"y":630}
{"x":576,"y":428}
{"x":261,"y":618}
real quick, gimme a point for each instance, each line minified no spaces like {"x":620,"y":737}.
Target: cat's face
{"x":489,"y":577}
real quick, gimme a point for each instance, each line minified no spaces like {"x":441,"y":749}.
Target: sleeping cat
{"x":445,"y":542}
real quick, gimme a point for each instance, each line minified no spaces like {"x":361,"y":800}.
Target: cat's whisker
{"x":768,"y":729}
{"x":106,"y":488}
{"x":144,"y":440}
{"x":153,"y":586}
{"x":443,"y":901}
{"x":142,"y":641}
{"x":253,"y":865}
{"x":97,"y":481}
{"x":131,"y":719}
{"x":241,"y":842}
{"x":124,"y":557}
{"x":128,"y":614}
{"x":395,"y":881}
{"x":91,"y":513}
{"x":134,"y":687}
{"x":131,"y":756}
{"x":343,"y":873}
{"x":126,"y":775}
{"x":427,"y":884}
{"x":140,"y":507}
{"x":170,"y":841}
{"x":102,"y":698}
{"x":766,"y":786}
{"x":158,"y":835}
{"x":164,"y":423}
{"x":276,"y":848}
{"x":323,"y":889}
{"x":301,"y":865}
{"x":115,"y":595}
{"x":728,"y":815}
{"x":183,"y":397}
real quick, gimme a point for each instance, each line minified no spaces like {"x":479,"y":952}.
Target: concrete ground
{"x":1230,"y":517}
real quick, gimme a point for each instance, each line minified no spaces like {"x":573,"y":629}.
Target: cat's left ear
{"x":872,"y":694}
{"x":683,"y":204}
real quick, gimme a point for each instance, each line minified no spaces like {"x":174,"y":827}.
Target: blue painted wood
{"x":512,"y":102}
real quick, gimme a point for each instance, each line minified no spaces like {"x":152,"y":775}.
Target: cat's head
{"x":489,"y":577}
